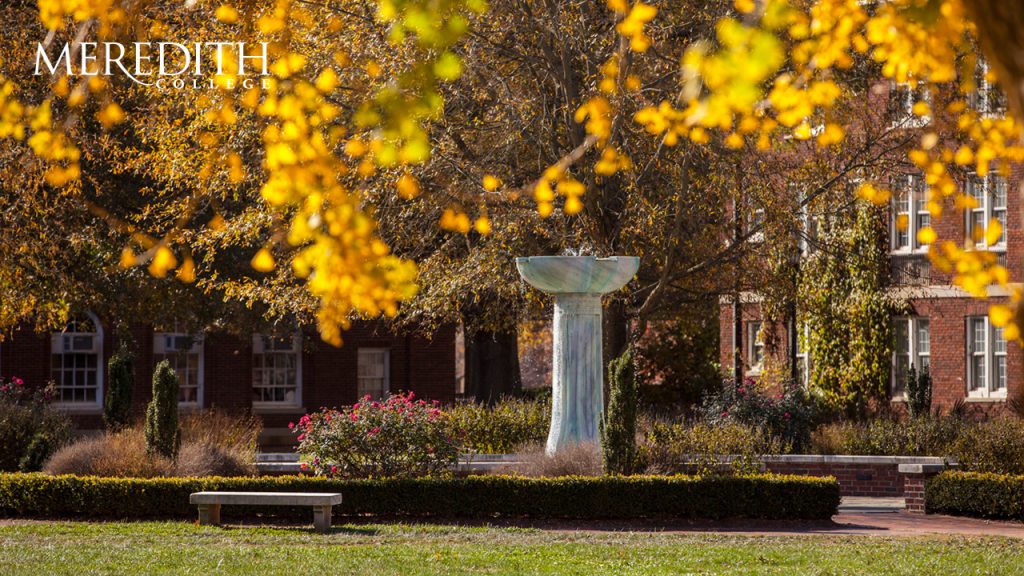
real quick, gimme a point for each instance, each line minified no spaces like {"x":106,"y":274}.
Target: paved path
{"x":886,"y":516}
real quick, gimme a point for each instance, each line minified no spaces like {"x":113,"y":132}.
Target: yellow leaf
{"x":162,"y":262}
{"x":483,"y":225}
{"x":187,"y":271}
{"x":227,"y":14}
{"x":1000,"y":315}
{"x":921,"y":108}
{"x":408,"y":186}
{"x":127,"y":258}
{"x":110,"y":115}
{"x":745,"y":6}
{"x":927,"y":235}
{"x":491,"y":183}
{"x":327,"y":81}
{"x":994,"y":232}
{"x":263,"y":261}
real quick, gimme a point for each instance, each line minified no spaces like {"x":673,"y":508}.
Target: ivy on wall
{"x":848,"y":311}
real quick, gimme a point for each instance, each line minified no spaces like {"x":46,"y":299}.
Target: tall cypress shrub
{"x":618,"y":427}
{"x":117,"y":406}
{"x":162,"y":433}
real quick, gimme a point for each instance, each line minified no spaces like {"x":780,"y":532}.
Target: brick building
{"x":278,"y":377}
{"x":945,"y":329}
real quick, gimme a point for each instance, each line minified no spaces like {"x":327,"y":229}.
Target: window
{"x":910,"y":213}
{"x":987,"y":99}
{"x":276,"y":369}
{"x":755,"y":346}
{"x":803,"y":359}
{"x":989,"y":192}
{"x":986,"y":359}
{"x":912,"y":348}
{"x":374,"y":371}
{"x":902,"y":98}
{"x":185,"y":354}
{"x":76,"y":362}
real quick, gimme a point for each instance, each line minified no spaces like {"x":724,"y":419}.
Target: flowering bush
{"x":396,"y":437}
{"x":787,"y":413}
{"x":30,"y":431}
{"x":505,"y":427}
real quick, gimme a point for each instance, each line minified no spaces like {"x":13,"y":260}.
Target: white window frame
{"x":386,"y":352}
{"x":803,"y":358}
{"x":917,"y":353}
{"x":262,"y":345}
{"x":983,"y":189}
{"x":165,"y":348}
{"x":914,"y":189}
{"x":982,"y":100}
{"x":904,"y":116}
{"x":58,"y":347}
{"x":753,"y":345}
{"x":989,"y":352}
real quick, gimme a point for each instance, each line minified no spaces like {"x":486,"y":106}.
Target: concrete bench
{"x":210,"y":502}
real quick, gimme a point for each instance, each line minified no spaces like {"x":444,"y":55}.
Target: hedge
{"x":761,"y":496}
{"x":978,"y":494}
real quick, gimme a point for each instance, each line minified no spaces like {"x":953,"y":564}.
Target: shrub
{"x":705,"y":449}
{"x":925,"y":436}
{"x":237,"y":434}
{"x":118,"y":454}
{"x":993,"y":446}
{"x":398,"y":437}
{"x":618,"y":426}
{"x":509,"y":425}
{"x":983,"y":495}
{"x":919,"y":392}
{"x":763,"y":496}
{"x":30,"y":430}
{"x":163,"y":436}
{"x":571,"y":460}
{"x":117,"y":406}
{"x":213,"y":444}
{"x":788,"y":414}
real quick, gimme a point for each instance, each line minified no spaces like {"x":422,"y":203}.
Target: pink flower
{"x":17,"y":381}
{"x":334,"y":469}
{"x":291,"y":425}
{"x":300,"y":437}
{"x":725,"y":413}
{"x":353,"y":416}
{"x":374,"y":431}
{"x":786,"y":415}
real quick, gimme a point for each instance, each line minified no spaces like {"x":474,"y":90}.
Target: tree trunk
{"x":492,"y":365}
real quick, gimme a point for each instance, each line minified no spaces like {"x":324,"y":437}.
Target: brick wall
{"x":876,"y":476}
{"x":418,"y":363}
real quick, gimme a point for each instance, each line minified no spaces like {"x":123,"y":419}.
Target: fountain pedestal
{"x":577,"y":283}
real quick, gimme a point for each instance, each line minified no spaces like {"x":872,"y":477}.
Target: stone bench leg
{"x":322,"y":518}
{"x":209,"y":514}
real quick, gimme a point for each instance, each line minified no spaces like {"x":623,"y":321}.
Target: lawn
{"x":182,"y":548}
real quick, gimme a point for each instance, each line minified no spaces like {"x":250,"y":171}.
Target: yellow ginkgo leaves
{"x":408,"y":187}
{"x":226,"y":13}
{"x":263,"y":261}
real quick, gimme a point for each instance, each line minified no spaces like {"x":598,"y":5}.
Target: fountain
{"x":577,"y":283}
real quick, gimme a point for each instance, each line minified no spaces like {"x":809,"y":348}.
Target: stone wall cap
{"x":267,"y":498}
{"x":921,"y":468}
{"x":852,"y":459}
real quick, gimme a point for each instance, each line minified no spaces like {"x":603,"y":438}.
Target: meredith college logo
{"x":162,"y":64}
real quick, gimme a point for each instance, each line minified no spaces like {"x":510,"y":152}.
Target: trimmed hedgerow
{"x":978,"y":494}
{"x":762,"y":496}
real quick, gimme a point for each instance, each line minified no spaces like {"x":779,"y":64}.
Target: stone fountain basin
{"x":577,"y":274}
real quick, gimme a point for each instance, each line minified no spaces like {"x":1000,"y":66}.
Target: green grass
{"x":81,"y":548}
